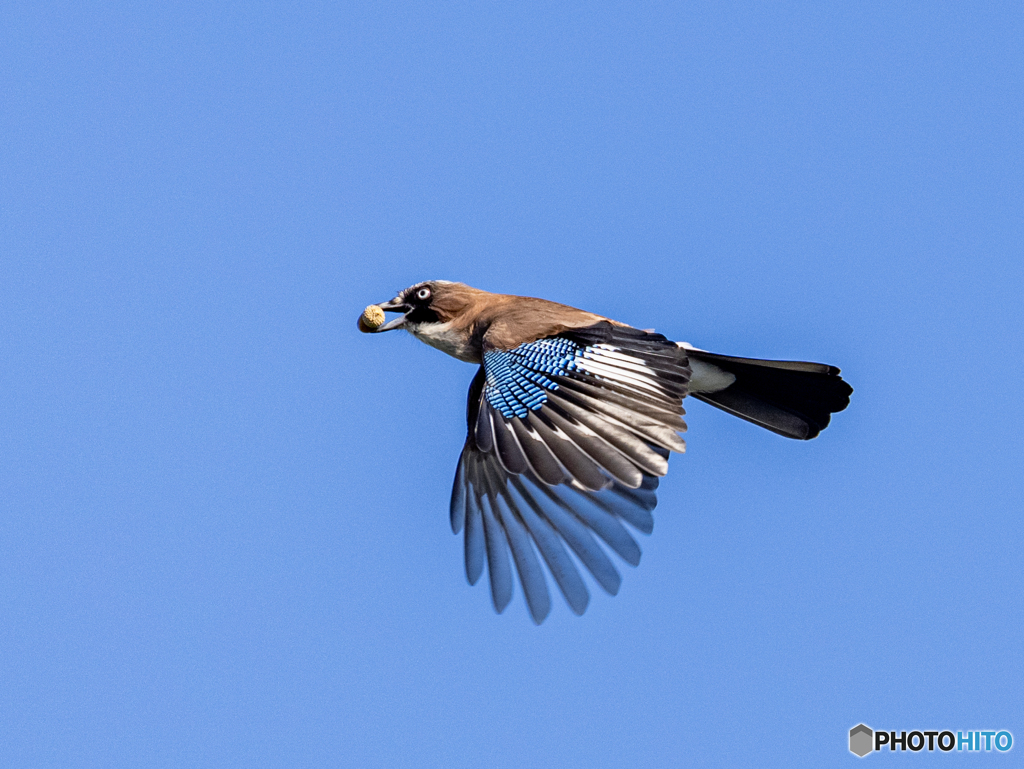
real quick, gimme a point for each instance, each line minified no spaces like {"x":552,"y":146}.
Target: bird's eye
{"x":423,"y":293}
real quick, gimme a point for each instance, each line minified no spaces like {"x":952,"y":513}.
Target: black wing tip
{"x":500,"y":602}
{"x":539,"y":616}
{"x":581,"y":610}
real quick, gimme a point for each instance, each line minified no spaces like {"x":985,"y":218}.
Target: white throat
{"x":446,"y":339}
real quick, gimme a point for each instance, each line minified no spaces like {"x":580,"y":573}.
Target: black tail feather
{"x":792,"y":398}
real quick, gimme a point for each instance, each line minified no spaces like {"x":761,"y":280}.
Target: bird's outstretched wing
{"x":567,"y":436}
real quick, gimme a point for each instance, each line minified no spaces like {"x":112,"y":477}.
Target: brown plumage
{"x":497,"y":321}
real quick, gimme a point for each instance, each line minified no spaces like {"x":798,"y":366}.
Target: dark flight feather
{"x":566,"y":436}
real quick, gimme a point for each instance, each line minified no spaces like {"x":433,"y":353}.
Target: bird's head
{"x":433,"y":302}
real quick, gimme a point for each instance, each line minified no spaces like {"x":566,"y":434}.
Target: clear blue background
{"x":224,"y":536}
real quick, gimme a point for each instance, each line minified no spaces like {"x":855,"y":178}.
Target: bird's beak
{"x":393,"y":306}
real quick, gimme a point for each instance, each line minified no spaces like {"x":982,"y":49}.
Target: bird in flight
{"x":571,"y":418}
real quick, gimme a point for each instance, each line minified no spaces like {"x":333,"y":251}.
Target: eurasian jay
{"x":571,"y":418}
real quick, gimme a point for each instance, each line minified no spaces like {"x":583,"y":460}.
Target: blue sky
{"x":224,"y":536}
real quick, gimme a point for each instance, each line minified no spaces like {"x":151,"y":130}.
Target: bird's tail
{"x":791,"y":398}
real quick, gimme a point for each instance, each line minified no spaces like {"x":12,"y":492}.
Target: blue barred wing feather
{"x":567,"y":437}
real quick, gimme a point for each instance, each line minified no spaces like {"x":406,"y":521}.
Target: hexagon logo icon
{"x":861,"y":738}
